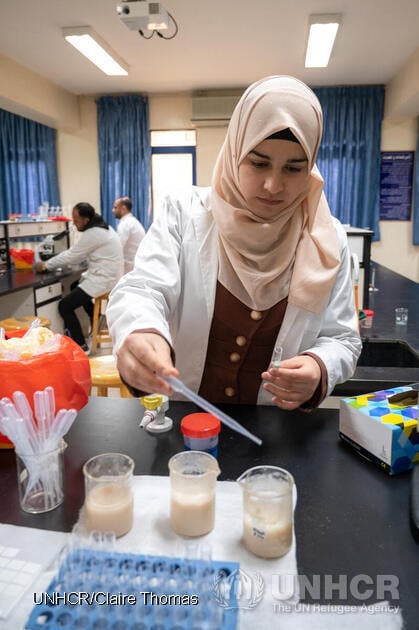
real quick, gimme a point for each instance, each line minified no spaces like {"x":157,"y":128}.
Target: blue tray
{"x":105,"y":590}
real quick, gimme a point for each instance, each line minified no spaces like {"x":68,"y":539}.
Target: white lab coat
{"x":102,"y":250}
{"x":131,"y":233}
{"x":172,"y":289}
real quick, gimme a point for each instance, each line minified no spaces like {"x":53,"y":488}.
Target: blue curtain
{"x":28,"y":165}
{"x":415,"y":201}
{"x":349,"y":156}
{"x":124,"y":154}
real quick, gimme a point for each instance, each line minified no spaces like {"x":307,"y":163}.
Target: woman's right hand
{"x":140,"y":359}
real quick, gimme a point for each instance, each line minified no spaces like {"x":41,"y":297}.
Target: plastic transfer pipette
{"x":179,"y":386}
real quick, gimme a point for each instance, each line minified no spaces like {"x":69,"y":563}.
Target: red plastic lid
{"x":368,"y":312}
{"x":200,"y":425}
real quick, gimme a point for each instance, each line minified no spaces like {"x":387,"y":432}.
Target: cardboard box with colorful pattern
{"x":383,"y":427}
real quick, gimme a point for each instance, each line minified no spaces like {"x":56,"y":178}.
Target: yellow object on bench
{"x":105,"y":374}
{"x":21,"y":323}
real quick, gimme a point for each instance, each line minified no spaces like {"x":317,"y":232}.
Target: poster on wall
{"x":396,"y":185}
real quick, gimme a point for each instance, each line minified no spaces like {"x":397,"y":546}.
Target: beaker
{"x":192,"y":492}
{"x":40,"y":479}
{"x":109,"y":497}
{"x":267,"y":510}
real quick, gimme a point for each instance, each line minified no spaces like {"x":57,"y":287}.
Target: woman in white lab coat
{"x":227,"y":273}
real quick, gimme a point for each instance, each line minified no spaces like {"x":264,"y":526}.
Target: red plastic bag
{"x":67,"y":370}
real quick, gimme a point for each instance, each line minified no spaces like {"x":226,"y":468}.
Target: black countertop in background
{"x":12,"y":280}
{"x":393,"y":290}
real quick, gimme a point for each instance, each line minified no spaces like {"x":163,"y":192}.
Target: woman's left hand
{"x":294,"y":382}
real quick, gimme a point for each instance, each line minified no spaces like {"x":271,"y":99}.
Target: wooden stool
{"x":99,"y":334}
{"x":105,"y":374}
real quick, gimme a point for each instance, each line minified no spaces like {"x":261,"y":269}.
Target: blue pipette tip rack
{"x":163,"y":588}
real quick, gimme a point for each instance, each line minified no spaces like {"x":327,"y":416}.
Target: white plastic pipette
{"x":62,"y":423}
{"x":179,"y":386}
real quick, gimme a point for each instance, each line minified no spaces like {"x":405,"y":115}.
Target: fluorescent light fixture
{"x":323,"y":29}
{"x":92,"y":46}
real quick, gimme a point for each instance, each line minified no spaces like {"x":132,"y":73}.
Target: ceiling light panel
{"x":322,"y":34}
{"x":92,"y":46}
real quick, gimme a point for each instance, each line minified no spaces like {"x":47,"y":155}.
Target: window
{"x":173,"y":163}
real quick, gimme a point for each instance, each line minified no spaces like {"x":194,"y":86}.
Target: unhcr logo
{"x":238,"y":590}
{"x":335,"y":587}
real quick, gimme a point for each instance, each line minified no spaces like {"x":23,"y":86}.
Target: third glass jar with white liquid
{"x":267,"y":510}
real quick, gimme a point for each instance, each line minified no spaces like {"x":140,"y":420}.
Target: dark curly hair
{"x":87,"y":211}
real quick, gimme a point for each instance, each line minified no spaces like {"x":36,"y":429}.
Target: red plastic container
{"x":23,"y":258}
{"x":200,"y":432}
{"x":367,"y":322}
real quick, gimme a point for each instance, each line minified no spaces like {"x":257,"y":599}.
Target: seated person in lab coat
{"x":227,"y":273}
{"x":100,"y":247}
{"x":129,"y":229}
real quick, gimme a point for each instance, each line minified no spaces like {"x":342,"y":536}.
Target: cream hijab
{"x":296,"y":252}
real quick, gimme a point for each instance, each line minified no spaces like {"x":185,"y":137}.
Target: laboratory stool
{"x":104,"y":375}
{"x":17,"y":326}
{"x":100,"y":334}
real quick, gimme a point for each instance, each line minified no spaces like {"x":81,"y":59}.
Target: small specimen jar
{"x":200,"y":432}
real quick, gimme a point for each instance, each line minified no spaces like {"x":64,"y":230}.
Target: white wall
{"x":395,"y":248}
{"x":399,"y":133}
{"x":78,"y":159}
{"x":26,"y":93}
{"x":169,"y":111}
{"x":209,"y":141}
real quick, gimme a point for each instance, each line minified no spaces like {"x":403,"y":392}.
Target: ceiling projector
{"x":143,"y":14}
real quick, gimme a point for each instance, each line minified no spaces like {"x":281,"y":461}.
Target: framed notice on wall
{"x":396,"y":185}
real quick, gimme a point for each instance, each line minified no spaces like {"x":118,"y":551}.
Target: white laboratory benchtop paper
{"x":26,"y":555}
{"x":151,"y":534}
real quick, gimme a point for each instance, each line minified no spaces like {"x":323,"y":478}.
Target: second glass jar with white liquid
{"x":192,"y":492}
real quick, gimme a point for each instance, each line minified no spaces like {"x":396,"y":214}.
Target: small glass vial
{"x":200,"y":432}
{"x":367,"y":322}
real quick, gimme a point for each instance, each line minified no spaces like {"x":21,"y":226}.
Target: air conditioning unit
{"x":212,"y":109}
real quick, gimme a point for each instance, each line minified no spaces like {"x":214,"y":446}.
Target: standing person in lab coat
{"x":99,"y":246}
{"x":227,"y":273}
{"x":129,"y":229}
